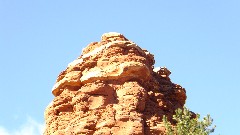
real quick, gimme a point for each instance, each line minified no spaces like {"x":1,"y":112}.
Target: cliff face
{"x":112,"y":88}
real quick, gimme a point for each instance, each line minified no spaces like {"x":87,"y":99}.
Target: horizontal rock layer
{"x":112,"y":88}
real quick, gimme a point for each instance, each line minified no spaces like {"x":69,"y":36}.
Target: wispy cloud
{"x":31,"y":127}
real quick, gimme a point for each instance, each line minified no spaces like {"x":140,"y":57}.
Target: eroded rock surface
{"x":112,"y":89}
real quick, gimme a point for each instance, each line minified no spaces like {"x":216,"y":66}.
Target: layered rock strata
{"x":112,"y":89}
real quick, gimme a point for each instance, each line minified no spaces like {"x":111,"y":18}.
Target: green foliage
{"x":186,"y":125}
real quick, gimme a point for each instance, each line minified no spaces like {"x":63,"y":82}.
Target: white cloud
{"x":3,"y":131}
{"x":31,"y":127}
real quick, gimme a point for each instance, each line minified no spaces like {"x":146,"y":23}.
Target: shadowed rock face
{"x":112,"y":88}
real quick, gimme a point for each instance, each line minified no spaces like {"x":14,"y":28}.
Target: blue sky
{"x":197,"y":40}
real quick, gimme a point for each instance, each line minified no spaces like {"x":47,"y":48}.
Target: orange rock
{"x":112,"y":89}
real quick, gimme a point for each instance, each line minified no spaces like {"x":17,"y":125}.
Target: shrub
{"x":186,"y":124}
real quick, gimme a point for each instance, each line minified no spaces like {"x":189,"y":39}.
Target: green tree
{"x":187,"y":125}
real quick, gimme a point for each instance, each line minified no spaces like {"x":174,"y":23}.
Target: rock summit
{"x":112,"y":89}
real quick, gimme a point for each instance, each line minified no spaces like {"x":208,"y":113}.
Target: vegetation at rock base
{"x":187,"y":125}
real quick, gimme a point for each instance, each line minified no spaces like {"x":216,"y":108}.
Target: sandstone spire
{"x":112,"y":89}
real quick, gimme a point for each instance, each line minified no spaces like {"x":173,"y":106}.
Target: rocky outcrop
{"x":112,"y":89}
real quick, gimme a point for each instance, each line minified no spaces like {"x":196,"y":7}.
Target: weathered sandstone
{"x":112,"y":89}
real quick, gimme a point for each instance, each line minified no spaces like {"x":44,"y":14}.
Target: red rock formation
{"x":112,"y":89}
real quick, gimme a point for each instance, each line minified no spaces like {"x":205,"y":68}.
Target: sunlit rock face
{"x":112,"y":89}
